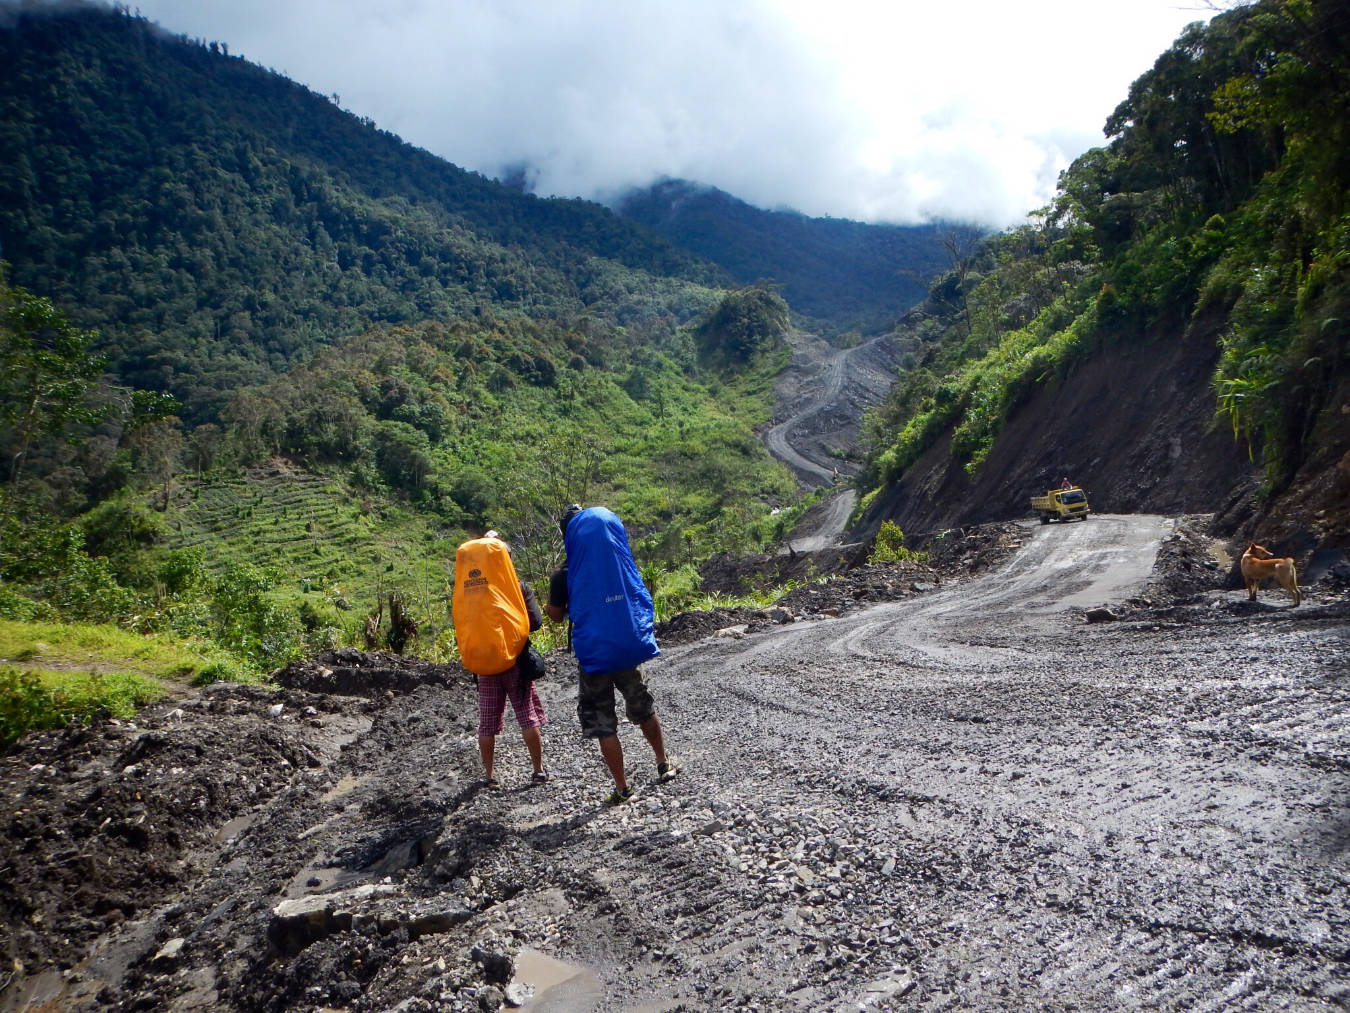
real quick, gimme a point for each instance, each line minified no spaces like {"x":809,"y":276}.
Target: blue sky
{"x":897,"y":112}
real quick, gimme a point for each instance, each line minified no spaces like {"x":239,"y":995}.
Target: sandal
{"x":617,"y":797}
{"x":491,"y":783}
{"x":539,"y":776}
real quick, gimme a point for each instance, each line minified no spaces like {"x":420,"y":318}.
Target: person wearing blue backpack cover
{"x":613,"y":632}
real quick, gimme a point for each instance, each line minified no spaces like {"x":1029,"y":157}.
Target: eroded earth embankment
{"x":967,"y":797}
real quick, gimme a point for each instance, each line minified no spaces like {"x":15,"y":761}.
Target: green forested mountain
{"x":373,"y":353}
{"x":1216,"y":215}
{"x":217,"y":222}
{"x":840,"y":275}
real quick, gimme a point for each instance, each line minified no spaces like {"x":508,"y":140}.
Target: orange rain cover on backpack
{"x":491,"y":623}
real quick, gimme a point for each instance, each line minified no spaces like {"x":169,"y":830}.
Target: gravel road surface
{"x":971,"y":798}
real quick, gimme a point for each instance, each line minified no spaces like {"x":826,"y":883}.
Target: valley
{"x":267,"y":364}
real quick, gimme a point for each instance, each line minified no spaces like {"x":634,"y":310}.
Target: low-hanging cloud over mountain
{"x":897,"y":112}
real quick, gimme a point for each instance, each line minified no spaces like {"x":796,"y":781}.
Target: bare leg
{"x":651,"y":728}
{"x":487,"y":747}
{"x":534,"y":745}
{"x":611,"y":751}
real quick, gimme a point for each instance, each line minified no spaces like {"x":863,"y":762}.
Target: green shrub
{"x":219,"y":671}
{"x":890,"y":546}
{"x":24,"y":704}
{"x":14,"y":605}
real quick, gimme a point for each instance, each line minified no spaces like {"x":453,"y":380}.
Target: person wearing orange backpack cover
{"x":494,"y":613}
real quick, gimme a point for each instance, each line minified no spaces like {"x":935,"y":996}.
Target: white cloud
{"x":880,"y":111}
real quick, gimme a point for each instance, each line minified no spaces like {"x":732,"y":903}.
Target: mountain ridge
{"x":165,"y":190}
{"x":839,"y":274}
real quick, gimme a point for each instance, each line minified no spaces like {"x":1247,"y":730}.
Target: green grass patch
{"x":110,"y":650}
{"x":39,"y":698}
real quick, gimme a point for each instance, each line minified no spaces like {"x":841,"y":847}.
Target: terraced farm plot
{"x":316,"y":531}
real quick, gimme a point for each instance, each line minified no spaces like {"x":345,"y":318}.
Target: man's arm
{"x":531,"y":606}
{"x":556,"y":609}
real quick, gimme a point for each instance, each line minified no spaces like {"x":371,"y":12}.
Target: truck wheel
{"x":1045,"y":518}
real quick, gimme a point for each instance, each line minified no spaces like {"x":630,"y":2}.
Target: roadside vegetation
{"x":1217,"y":212}
{"x":264,"y":365}
{"x":54,"y":673}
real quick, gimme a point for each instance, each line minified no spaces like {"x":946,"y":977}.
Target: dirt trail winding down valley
{"x":822,"y":397}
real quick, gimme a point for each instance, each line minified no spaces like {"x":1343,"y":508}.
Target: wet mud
{"x":1062,"y":768}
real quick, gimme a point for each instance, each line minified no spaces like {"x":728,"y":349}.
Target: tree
{"x":963,"y":244}
{"x":565,"y":469}
{"x":745,"y":325}
{"x":158,"y":449}
{"x":47,"y":371}
{"x":403,"y":455}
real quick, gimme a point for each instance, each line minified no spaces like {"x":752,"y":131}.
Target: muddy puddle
{"x":555,"y":986}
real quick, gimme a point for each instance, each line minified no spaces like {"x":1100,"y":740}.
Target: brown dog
{"x":1259,"y":563}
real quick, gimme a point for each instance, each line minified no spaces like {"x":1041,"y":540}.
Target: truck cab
{"x":1061,"y":504}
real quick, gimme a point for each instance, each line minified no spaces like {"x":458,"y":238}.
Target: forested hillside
{"x":1175,"y":321}
{"x":840,"y":275}
{"x":264,"y":365}
{"x":218,"y":222}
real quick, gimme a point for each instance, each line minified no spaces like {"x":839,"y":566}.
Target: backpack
{"x":613,"y":621}
{"x":492,"y":625}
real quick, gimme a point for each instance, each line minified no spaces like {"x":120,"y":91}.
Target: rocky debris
{"x":1328,"y":566}
{"x":1189,"y":562}
{"x":728,"y":574}
{"x":861,"y":586}
{"x":969,"y":550}
{"x":299,"y":922}
{"x":1196,"y":574}
{"x":952,"y":556}
{"x":350,"y":672}
{"x":110,"y":822}
{"x":687,"y":627}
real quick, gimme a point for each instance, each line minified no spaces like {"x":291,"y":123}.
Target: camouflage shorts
{"x":595,"y":701}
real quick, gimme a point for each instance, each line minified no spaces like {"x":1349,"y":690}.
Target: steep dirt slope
{"x":1135,"y":427}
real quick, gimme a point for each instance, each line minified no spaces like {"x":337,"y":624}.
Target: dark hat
{"x":567,"y":515}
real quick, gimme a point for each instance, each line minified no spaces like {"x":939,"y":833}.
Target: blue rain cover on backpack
{"x":612,"y":615}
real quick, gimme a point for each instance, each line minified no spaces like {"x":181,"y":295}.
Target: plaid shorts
{"x":494,"y":691}
{"x":595,"y":701}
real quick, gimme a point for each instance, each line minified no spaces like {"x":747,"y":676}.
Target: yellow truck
{"x":1065,"y":504}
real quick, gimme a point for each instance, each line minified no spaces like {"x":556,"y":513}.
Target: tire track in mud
{"x":1123,"y":837}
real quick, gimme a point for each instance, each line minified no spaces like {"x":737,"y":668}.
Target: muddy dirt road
{"x":968,"y":799}
{"x":822,"y":396}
